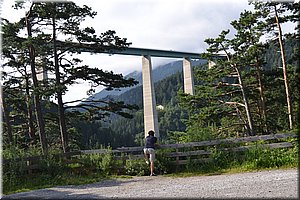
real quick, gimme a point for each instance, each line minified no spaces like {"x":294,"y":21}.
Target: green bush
{"x":136,"y":167}
{"x":15,"y":151}
{"x":55,"y":171}
{"x":107,"y":163}
{"x":270,"y":158}
{"x":13,"y":173}
{"x":103,"y":163}
{"x":52,"y":166}
{"x":255,"y":158}
{"x":91,"y":161}
{"x":162,"y":163}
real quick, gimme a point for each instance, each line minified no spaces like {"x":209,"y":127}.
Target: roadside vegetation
{"x":95,"y":167}
{"x":251,"y":91}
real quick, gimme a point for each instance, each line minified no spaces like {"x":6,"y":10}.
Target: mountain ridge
{"x":159,"y":73}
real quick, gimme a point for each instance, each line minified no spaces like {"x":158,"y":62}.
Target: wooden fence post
{"x":28,"y":164}
{"x":177,"y":158}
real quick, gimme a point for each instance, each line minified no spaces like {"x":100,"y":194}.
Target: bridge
{"x":149,"y":101}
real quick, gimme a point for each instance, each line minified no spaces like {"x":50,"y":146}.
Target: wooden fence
{"x":181,"y":154}
{"x":178,"y":154}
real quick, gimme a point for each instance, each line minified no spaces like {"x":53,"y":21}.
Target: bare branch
{"x":231,"y":103}
{"x":229,"y":84}
{"x":229,"y":93}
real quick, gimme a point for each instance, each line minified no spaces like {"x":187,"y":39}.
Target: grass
{"x":94,"y":169}
{"x":41,"y":181}
{"x":256,"y":159}
{"x":35,"y":182}
{"x":223,"y":171}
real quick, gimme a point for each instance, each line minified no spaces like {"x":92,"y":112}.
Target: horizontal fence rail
{"x":179,"y":154}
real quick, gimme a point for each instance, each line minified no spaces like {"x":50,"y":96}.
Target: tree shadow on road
{"x":73,"y":191}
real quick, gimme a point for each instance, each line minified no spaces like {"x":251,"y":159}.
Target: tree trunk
{"x":284,"y":67}
{"x":245,"y":99}
{"x":262,"y":98}
{"x":37,"y":103}
{"x":31,"y":130}
{"x":61,"y":111}
{"x":6,"y":120}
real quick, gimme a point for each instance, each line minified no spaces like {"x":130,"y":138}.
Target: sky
{"x":179,"y":25}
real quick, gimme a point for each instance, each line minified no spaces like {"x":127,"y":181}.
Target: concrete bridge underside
{"x":149,"y":100}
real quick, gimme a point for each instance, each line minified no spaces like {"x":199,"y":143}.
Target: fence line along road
{"x":179,"y":154}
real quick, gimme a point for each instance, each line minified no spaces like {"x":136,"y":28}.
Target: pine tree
{"x":37,"y":97}
{"x":54,"y":34}
{"x":20,"y":53}
{"x":232,"y":67}
{"x":249,"y":31}
{"x":275,"y":15}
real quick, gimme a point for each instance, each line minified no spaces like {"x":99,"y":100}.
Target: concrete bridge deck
{"x":149,"y":101}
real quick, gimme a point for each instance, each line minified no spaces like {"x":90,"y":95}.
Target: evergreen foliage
{"x":52,"y":39}
{"x":174,"y":122}
{"x":250,"y":74}
{"x":243,"y":94}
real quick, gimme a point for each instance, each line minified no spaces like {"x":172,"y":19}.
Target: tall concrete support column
{"x":188,"y":76}
{"x":150,"y":113}
{"x":211,"y":64}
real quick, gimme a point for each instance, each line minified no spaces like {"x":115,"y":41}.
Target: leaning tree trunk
{"x":246,"y":103}
{"x":37,"y":102}
{"x":284,"y":67}
{"x":61,"y":110}
{"x":245,"y":99}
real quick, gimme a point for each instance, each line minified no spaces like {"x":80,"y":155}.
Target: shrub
{"x":103,"y":163}
{"x":162,"y":163}
{"x":107,"y":163}
{"x":136,"y":167}
{"x":51,"y":166}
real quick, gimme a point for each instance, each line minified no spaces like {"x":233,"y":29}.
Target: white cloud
{"x":163,"y":24}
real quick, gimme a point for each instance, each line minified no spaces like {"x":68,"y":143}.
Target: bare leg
{"x":146,"y":157}
{"x":152,"y":167}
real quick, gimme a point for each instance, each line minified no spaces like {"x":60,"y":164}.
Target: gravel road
{"x":280,"y":184}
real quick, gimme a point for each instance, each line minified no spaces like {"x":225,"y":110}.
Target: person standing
{"x":149,"y":150}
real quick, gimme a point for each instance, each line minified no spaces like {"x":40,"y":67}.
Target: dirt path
{"x":264,"y":184}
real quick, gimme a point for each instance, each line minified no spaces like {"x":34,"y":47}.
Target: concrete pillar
{"x":211,"y":64}
{"x":41,"y":71}
{"x":41,"y":74}
{"x":188,"y":76}
{"x":150,"y":113}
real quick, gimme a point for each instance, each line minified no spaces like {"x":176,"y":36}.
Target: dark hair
{"x":151,"y":133}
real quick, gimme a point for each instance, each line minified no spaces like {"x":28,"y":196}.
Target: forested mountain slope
{"x":159,"y":73}
{"x":119,"y":131}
